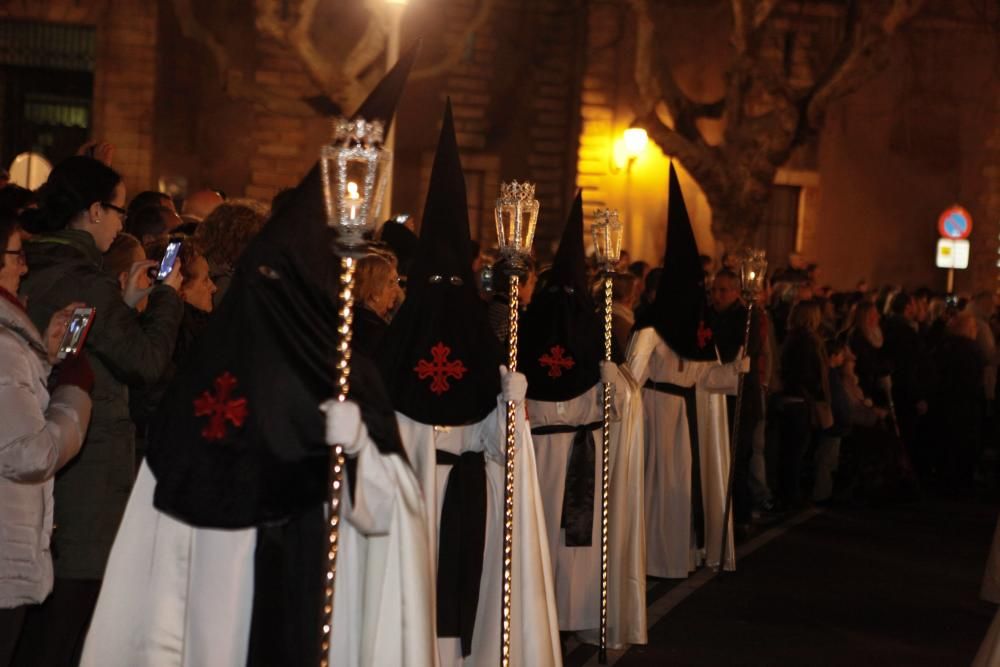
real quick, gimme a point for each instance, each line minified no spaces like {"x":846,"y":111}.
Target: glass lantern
{"x":516,"y":216}
{"x":607,"y":231}
{"x":355,"y":168}
{"x":753,"y":269}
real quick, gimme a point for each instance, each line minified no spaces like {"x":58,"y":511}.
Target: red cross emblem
{"x":556,"y":362}
{"x":440,"y":369}
{"x":704,"y":334}
{"x":221,"y":408}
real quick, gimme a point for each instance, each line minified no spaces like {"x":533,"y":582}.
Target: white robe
{"x":577,"y":570}
{"x":535,"y":627}
{"x":671,"y":545}
{"x":175,"y":595}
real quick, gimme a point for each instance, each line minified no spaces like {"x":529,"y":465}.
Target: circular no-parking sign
{"x":955,"y":223}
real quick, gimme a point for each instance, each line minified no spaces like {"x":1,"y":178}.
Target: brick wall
{"x":514,"y":94}
{"x":124,"y":74}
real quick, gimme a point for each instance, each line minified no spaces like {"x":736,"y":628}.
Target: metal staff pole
{"x":353,"y":169}
{"x":752,"y":270}
{"x":733,"y":446}
{"x":516,"y":215}
{"x":607,"y":231}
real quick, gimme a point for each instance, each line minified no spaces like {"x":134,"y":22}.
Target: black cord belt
{"x":578,"y":493}
{"x":461,"y":543}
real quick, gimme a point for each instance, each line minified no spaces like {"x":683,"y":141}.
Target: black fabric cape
{"x":439,"y":357}
{"x":680,"y":312}
{"x":239,"y":439}
{"x":561,"y":339}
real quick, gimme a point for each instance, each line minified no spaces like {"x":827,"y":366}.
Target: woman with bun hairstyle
{"x":82,"y":211}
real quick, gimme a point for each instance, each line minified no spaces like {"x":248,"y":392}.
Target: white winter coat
{"x":34,"y":429}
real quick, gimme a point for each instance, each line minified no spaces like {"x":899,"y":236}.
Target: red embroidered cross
{"x":440,"y":369}
{"x":220,"y":408}
{"x":704,"y":334}
{"x":556,"y":362}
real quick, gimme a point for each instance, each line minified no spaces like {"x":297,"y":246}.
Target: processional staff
{"x":355,"y":168}
{"x":516,"y":216}
{"x":607,"y":232}
{"x":753,"y":268}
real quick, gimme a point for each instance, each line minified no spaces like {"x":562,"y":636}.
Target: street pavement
{"x":895,"y":585}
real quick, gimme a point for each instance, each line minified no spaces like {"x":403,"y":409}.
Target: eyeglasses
{"x":117,"y":209}
{"x":21,"y":257}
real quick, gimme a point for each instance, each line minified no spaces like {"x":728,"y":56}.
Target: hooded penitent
{"x":561,"y":340}
{"x":680,"y":312}
{"x":239,"y":437}
{"x":440,"y":358}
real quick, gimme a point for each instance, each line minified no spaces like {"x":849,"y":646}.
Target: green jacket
{"x":124,"y":348}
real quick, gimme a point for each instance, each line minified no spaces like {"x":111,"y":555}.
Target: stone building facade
{"x":216,"y":94}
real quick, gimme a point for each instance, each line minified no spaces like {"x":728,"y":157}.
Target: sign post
{"x":954,"y":225}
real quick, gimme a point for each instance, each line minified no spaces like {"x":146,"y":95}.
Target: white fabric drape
{"x":535,"y":629}
{"x":577,"y":570}
{"x":670,"y":543}
{"x":175,"y":595}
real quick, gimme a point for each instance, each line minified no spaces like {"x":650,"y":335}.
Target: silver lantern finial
{"x":355,"y":170}
{"x":516,"y":217}
{"x":607,"y":231}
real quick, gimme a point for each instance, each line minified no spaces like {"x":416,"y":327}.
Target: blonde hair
{"x":373,"y":273}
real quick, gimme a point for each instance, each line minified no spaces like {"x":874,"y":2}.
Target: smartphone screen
{"x":76,"y":333}
{"x":169,"y":257}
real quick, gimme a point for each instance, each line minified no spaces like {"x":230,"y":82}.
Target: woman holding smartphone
{"x":41,"y":432}
{"x":82,"y":211}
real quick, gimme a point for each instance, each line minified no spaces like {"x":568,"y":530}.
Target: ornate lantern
{"x":516,"y":215}
{"x":753,"y":269}
{"x":355,"y":170}
{"x":607,"y":231}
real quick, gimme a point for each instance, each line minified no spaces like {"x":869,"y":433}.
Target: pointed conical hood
{"x":569,"y":268}
{"x":561,"y":341}
{"x":440,"y":358}
{"x":444,"y":243}
{"x":381,"y":103}
{"x":239,"y":438}
{"x":680,"y":311}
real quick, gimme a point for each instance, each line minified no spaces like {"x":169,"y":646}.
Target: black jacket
{"x":123,"y":348}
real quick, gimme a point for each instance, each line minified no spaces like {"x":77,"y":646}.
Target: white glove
{"x":742,"y":362}
{"x":609,"y":372}
{"x":514,"y":386}
{"x":344,"y":425}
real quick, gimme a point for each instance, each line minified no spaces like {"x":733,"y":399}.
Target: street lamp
{"x":516,"y":216}
{"x":353,"y":169}
{"x":607,"y":232}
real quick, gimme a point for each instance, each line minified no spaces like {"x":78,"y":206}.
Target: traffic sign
{"x":953,"y":254}
{"x":955,"y":223}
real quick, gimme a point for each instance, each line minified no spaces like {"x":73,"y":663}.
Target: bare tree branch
{"x":866,"y":52}
{"x":193,"y":29}
{"x":340,"y":80}
{"x":741,"y":31}
{"x":702,"y":162}
{"x":762,"y":11}
{"x":455,"y":53}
